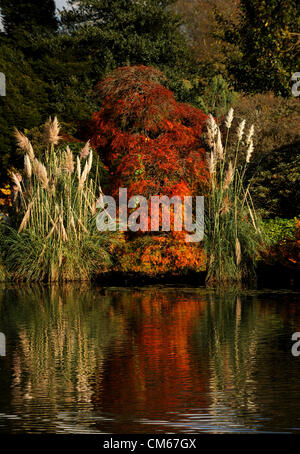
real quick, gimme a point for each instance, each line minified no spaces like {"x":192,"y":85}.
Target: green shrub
{"x":280,"y":231}
{"x":217,"y":97}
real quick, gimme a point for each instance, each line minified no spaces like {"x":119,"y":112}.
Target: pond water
{"x":82,"y":359}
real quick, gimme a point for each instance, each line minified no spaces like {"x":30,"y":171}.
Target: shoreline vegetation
{"x":160,"y":101}
{"x":51,"y":235}
{"x":234,"y":236}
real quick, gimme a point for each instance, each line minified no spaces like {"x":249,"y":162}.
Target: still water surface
{"x":152,"y":360}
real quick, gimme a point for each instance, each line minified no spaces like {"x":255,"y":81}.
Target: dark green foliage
{"x":276,"y":182}
{"x":35,"y":90}
{"x":26,"y":15}
{"x":267,"y":38}
{"x":279,"y":231}
{"x":217,"y":97}
{"x":107,"y":34}
{"x":21,"y":107}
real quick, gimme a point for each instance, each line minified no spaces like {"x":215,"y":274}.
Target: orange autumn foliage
{"x":151,"y":145}
{"x":155,"y":364}
{"x":161,"y":255}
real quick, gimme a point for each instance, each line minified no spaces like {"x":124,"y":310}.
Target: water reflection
{"x":147,"y":360}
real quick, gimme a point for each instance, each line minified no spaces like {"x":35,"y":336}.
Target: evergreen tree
{"x":27,"y":15}
{"x":22,"y":107}
{"x":27,"y":92}
{"x":112,"y":33}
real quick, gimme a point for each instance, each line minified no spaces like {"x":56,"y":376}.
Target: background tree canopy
{"x":27,"y":15}
{"x":107,"y":34}
{"x":266,"y":35}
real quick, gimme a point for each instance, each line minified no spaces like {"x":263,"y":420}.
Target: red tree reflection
{"x":152,"y":372}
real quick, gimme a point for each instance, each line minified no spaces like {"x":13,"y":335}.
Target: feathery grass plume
{"x":225,"y":205}
{"x":16,"y":181}
{"x":27,"y":166}
{"x":90,"y":161}
{"x":228,"y":176}
{"x":238,"y":251}
{"x":219,"y":146}
{"x":249,"y":152}
{"x":26,"y":217}
{"x":83,"y":176}
{"x":41,"y":173}
{"x":57,"y":171}
{"x":78,"y":168}
{"x":212,"y":163}
{"x":69,"y":161}
{"x":229,"y":118}
{"x":85,"y":151}
{"x":240,"y":130}
{"x":250,"y":134}
{"x":212,"y":130}
{"x":24,"y":143}
{"x":51,"y":131}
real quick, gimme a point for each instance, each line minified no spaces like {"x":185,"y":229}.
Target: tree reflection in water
{"x":80,"y":358}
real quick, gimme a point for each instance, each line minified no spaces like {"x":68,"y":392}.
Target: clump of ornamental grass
{"x":233,"y":232}
{"x":54,"y":235}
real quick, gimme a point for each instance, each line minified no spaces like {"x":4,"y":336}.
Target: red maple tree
{"x":150,"y":143}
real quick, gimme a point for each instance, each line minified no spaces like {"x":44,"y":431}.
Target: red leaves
{"x":143,"y":134}
{"x":152,"y":145}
